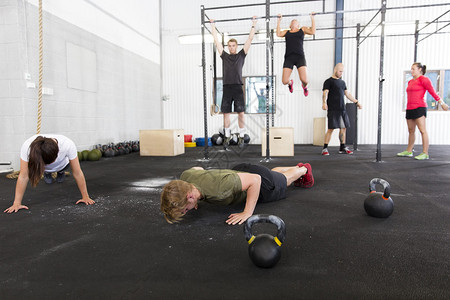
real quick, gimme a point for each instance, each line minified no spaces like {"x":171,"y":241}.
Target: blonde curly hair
{"x":174,"y":200}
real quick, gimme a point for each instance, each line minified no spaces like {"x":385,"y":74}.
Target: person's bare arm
{"x":218,"y":44}
{"x":310,"y":30}
{"x":252,"y":184}
{"x":443,"y":104}
{"x":279,"y":32}
{"x":81,"y":182}
{"x":21,"y":186}
{"x":351,"y":98}
{"x":248,"y":43}
{"x":324,"y":99}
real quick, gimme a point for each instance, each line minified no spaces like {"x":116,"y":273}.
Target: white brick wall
{"x":127,"y":98}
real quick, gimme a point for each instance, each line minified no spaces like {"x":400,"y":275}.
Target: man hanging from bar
{"x":233,"y":93}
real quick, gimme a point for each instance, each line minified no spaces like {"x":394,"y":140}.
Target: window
{"x":440,"y":79}
{"x":433,"y":76}
{"x":254,"y":94}
{"x":446,"y":87}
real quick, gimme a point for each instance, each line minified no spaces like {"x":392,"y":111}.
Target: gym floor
{"x":122,"y":248}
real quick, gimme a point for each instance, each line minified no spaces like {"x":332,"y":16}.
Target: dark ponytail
{"x":420,"y":66}
{"x":43,"y":151}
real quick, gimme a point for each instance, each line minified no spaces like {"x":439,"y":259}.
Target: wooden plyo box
{"x":281,"y":141}
{"x":161,"y":142}
{"x":320,"y":127}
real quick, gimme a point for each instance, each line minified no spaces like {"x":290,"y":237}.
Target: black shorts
{"x":412,"y":114}
{"x":273,"y":184}
{"x":294,"y":60}
{"x":338,"y":119}
{"x":232,"y":93}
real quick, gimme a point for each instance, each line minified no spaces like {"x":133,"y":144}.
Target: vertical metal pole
{"x":381,"y":79}
{"x":205,"y":110}
{"x":161,"y":88}
{"x":358,"y":33}
{"x":416,"y":40}
{"x":272,"y":78}
{"x":214,"y":75}
{"x":339,"y":32}
{"x":267,"y":78}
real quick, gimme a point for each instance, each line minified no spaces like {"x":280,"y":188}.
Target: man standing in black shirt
{"x":334,"y":89}
{"x":232,"y":82}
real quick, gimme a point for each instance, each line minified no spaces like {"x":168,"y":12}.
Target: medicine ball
{"x":99,"y":153}
{"x":93,"y":155}
{"x":85,"y":154}
{"x":246,"y":138}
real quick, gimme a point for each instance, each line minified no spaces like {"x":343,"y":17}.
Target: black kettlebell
{"x":264,"y":250}
{"x":108,"y":153}
{"x":379,"y":205}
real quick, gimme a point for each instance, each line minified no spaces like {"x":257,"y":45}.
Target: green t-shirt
{"x":217,"y":186}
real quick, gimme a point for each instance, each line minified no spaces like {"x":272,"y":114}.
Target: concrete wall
{"x":126,"y":96}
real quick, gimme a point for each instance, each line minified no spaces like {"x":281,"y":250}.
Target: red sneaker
{"x":308,"y":178}
{"x":291,"y":85}
{"x":305,"y":91}
{"x":298,"y":182}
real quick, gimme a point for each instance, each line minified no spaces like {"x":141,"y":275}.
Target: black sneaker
{"x":60,"y":177}
{"x":48,"y":179}
{"x":241,"y":143}
{"x":226,"y":143}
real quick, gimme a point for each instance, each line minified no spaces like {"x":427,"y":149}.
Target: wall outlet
{"x":47,"y":91}
{"x":27,"y":76}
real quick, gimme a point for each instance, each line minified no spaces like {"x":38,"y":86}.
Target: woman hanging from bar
{"x":295,"y":56}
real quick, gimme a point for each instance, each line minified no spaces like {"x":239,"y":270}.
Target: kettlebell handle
{"x":281,"y":227}
{"x":384,"y":183}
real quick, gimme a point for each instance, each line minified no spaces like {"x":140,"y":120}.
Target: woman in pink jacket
{"x":416,"y":109}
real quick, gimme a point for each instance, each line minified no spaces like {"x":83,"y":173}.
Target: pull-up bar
{"x":370,"y":21}
{"x":334,"y":12}
{"x":235,"y":34}
{"x":369,"y":33}
{"x":300,"y":15}
{"x":433,"y":33}
{"x":433,"y":21}
{"x":261,"y":4}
